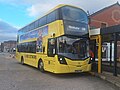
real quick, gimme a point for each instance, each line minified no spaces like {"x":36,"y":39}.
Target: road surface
{"x":14,"y":76}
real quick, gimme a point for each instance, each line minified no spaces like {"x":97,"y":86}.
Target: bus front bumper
{"x":73,"y":69}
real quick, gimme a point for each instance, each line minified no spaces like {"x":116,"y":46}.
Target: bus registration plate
{"x":78,"y":70}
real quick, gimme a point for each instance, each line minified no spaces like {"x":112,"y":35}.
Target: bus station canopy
{"x":107,"y":33}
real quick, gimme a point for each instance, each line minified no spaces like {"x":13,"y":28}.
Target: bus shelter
{"x":109,"y":35}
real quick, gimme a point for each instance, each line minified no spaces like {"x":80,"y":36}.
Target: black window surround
{"x":27,"y":47}
{"x":42,"y":21}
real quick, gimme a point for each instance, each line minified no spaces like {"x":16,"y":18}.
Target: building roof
{"x":105,"y":9}
{"x":10,"y":41}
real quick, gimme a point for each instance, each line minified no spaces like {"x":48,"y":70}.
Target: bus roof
{"x":57,"y":7}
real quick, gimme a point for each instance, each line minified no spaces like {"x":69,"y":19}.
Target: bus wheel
{"x":41,"y":66}
{"x":22,"y":61}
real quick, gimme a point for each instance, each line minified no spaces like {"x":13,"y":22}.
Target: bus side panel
{"x":30,"y":59}
{"x":49,"y":62}
{"x":56,"y":28}
{"x":18,"y":56}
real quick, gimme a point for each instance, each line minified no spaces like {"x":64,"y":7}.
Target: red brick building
{"x":8,"y":46}
{"x":106,"y":17}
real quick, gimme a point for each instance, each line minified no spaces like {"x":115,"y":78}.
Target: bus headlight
{"x":62,"y":60}
{"x":90,"y":60}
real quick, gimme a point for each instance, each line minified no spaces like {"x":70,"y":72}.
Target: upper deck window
{"x":43,"y":21}
{"x":74,"y":14}
{"x":51,"y":17}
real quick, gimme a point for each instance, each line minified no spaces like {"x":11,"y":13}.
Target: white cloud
{"x":17,"y":27}
{"x":41,"y":7}
{"x":0,"y":19}
{"x":3,"y":22}
{"x":7,"y":31}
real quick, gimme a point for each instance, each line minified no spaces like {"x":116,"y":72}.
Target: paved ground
{"x":14,"y":76}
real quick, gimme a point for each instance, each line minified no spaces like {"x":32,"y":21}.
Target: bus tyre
{"x":22,"y":61}
{"x":41,"y":66}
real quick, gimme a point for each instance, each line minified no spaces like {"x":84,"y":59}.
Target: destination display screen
{"x":75,"y":28}
{"x":75,"y":21}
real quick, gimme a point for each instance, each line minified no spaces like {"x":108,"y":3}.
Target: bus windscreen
{"x":74,"y":14}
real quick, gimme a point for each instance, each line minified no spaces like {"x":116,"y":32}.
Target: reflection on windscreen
{"x":74,"y":14}
{"x":74,"y":48}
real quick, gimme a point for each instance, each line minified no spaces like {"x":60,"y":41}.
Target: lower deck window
{"x":28,"y":47}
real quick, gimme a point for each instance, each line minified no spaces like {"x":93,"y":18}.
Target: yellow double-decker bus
{"x":58,"y":42}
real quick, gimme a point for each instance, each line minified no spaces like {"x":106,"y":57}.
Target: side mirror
{"x":43,"y":49}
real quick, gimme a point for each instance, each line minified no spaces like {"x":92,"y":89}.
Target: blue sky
{"x":15,"y":15}
{"x":18,"y":13}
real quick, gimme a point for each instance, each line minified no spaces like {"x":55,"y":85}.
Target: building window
{"x":92,"y":27}
{"x":103,"y":25}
